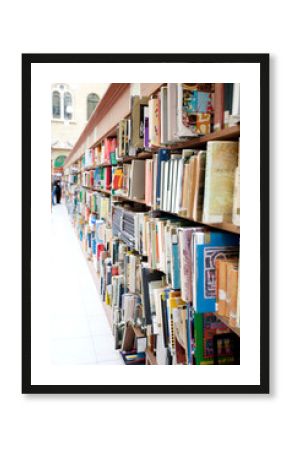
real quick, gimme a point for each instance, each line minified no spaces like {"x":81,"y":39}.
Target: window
{"x":67,"y":106}
{"x":56,"y":105}
{"x":62,"y":103}
{"x":92,"y":101}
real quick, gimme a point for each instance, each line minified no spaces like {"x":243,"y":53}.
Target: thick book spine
{"x":221,"y":161}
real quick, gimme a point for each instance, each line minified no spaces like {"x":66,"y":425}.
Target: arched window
{"x":56,"y":105}
{"x":92,"y":101}
{"x":62,"y":102}
{"x":67,"y":106}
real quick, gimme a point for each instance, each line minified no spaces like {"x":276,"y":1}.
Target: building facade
{"x":72,"y":106}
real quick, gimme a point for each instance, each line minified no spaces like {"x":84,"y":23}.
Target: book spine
{"x":218,"y":106}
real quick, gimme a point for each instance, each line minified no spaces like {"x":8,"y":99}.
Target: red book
{"x":100,"y":248}
{"x":218,"y":106}
{"x":108,"y":177}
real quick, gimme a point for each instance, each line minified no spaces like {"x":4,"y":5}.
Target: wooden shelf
{"x":95,"y":189}
{"x":230,"y":227}
{"x":225,"y":320}
{"x":224,"y":134}
{"x":99,"y":165}
{"x":103,"y":191}
{"x":141,"y":155}
{"x":128,"y":199}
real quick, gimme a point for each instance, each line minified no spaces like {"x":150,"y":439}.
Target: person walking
{"x":58,"y":192}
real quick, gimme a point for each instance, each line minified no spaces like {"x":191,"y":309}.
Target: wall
{"x":69,"y":131}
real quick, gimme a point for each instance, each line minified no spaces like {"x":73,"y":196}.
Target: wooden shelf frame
{"x":226,"y":321}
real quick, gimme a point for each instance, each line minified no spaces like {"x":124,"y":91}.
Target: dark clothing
{"x":58,"y":193}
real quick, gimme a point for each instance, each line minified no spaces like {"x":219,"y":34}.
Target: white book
{"x":166,"y":171}
{"x":132,"y":276}
{"x":161,"y":184}
{"x":174,"y":184}
{"x":163,"y":115}
{"x":236,"y":100}
{"x":178,"y":198}
{"x":234,"y":118}
{"x":169,"y":185}
{"x":156,"y":284}
{"x":171,"y":111}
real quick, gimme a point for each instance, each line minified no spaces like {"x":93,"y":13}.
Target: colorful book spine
{"x":207,"y":247}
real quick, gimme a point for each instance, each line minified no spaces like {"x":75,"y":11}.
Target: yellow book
{"x":221,"y":162}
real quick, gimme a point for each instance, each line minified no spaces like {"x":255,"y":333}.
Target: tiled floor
{"x":79,"y":330}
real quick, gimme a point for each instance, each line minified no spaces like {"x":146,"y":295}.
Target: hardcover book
{"x":172,"y":112}
{"x":194,"y":109}
{"x":163,"y":115}
{"x":199,"y":186}
{"x":137,"y":179}
{"x":232,"y":293}
{"x":207,"y":246}
{"x":221,"y":284}
{"x":138,"y":105}
{"x":236,"y":198}
{"x":206,"y":327}
{"x":154,"y":121}
{"x":221,"y":162}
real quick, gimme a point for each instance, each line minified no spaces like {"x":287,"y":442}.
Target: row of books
{"x":104,"y":153}
{"x":100,"y":177}
{"x":179,"y":335}
{"x":138,"y":294}
{"x":186,"y":255}
{"x":93,"y":202}
{"x":73,"y":178}
{"x":178,"y":112}
{"x":170,"y":326}
{"x":199,"y":185}
{"x":126,"y":225}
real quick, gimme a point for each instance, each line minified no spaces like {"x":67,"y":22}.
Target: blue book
{"x":207,"y":247}
{"x":175,"y":265}
{"x":163,"y":155}
{"x":189,"y":333}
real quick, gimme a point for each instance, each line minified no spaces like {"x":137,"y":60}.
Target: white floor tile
{"x":73,"y":351}
{"x":98,"y":325}
{"x":68,"y":325}
{"x":80,"y":333}
{"x":104,"y":349}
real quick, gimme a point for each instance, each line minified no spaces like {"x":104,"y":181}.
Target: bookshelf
{"x":224,"y":134}
{"x":226,"y":321}
{"x":112,"y":110}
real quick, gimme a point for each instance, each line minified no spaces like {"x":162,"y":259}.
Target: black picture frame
{"x":263,"y":61}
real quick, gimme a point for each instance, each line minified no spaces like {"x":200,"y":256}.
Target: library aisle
{"x":79,"y":330}
{"x":151,"y":191}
